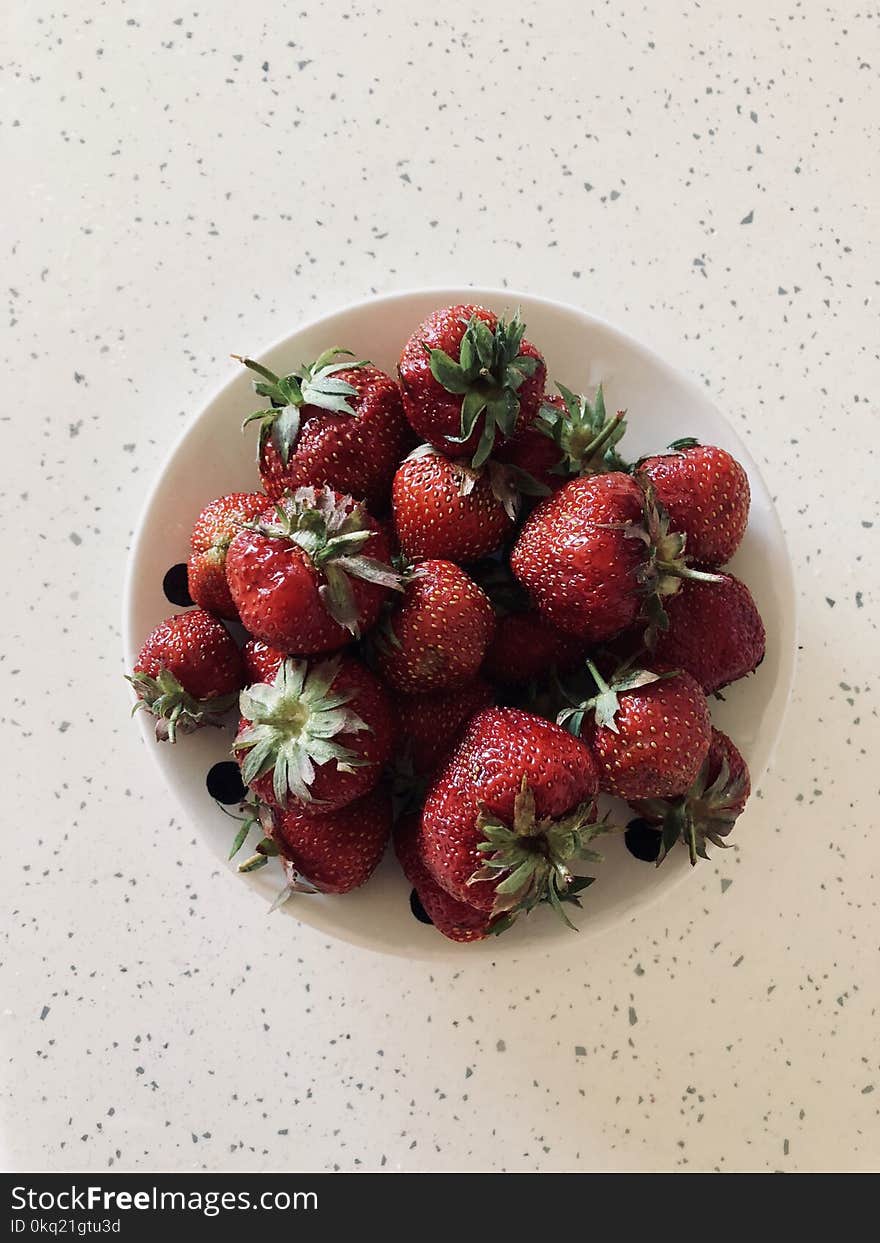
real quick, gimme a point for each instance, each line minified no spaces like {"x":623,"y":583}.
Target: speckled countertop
{"x":184,"y":183}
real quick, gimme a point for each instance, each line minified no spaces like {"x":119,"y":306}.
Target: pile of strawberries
{"x":466,"y":616}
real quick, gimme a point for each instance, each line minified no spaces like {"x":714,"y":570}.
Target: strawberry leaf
{"x":448,"y":372}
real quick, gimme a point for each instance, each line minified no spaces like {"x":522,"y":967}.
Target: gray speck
{"x":748,"y":219}
{"x":739,"y":960}
{"x":580,"y":1051}
{"x":725,"y":884}
{"x":867,"y":1089}
{"x":74,"y":538}
{"x":501,"y":1046}
{"x":43,"y":1013}
{"x":633,"y":1017}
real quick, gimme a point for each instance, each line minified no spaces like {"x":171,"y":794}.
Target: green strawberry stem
{"x":585,"y":436}
{"x":705,"y":813}
{"x":314,"y":384}
{"x":176,"y":711}
{"x":605,"y":704}
{"x":293,"y":723}
{"x":332,"y":533}
{"x":530,"y":859}
{"x":487,"y":375}
{"x":604,"y":436}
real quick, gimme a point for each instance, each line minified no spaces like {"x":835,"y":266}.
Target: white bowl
{"x":213,"y":457}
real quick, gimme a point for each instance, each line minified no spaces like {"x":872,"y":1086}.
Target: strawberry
{"x":456,"y":920}
{"x":453,"y":511}
{"x":339,"y":851}
{"x":260,"y":661}
{"x":715,"y":632}
{"x":311,"y":573}
{"x":708,"y":810}
{"x":534,"y":452}
{"x":569,"y":437}
{"x":435,"y":639}
{"x":706,"y":493}
{"x":576,"y":559}
{"x":331,"y":424}
{"x":648,"y":732}
{"x":315,"y":732}
{"x":212,"y":534}
{"x":509,"y":811}
{"x":187,"y":673}
{"x":428,"y":726}
{"x":470,"y":381}
{"x":527,"y":648}
{"x":598,"y":552}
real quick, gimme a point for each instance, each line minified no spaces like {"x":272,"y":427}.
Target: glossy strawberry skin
{"x":526,"y":648}
{"x":443,"y":625}
{"x":663,"y":735}
{"x":455,"y":920}
{"x":355,"y":454}
{"x":340,"y":851}
{"x":276,"y":587}
{"x":433,"y":412}
{"x":500,"y":747}
{"x":197,"y":650}
{"x":428,"y":726}
{"x":332,"y":789}
{"x":577,"y":565}
{"x":434,"y":519}
{"x":706,"y":493}
{"x":715,"y":633}
{"x":212,"y":534}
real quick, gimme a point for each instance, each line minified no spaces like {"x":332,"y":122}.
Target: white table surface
{"x":184,"y":184}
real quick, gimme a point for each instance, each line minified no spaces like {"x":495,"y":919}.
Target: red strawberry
{"x":456,"y":920}
{"x":706,"y":493}
{"x":715,"y":633}
{"x":470,"y":380}
{"x":211,"y":537}
{"x":577,"y":560}
{"x":446,"y":509}
{"x":437,"y":636}
{"x":534,"y":451}
{"x":310,"y":573}
{"x":337,"y":852}
{"x":510,"y":810}
{"x":526,"y":648}
{"x":570,"y":436}
{"x":649,"y":733}
{"x":260,"y":661}
{"x":187,"y":674}
{"x":428,"y":726}
{"x":709,"y":809}
{"x":332,"y":424}
{"x":315,"y":733}
{"x":598,"y":552}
